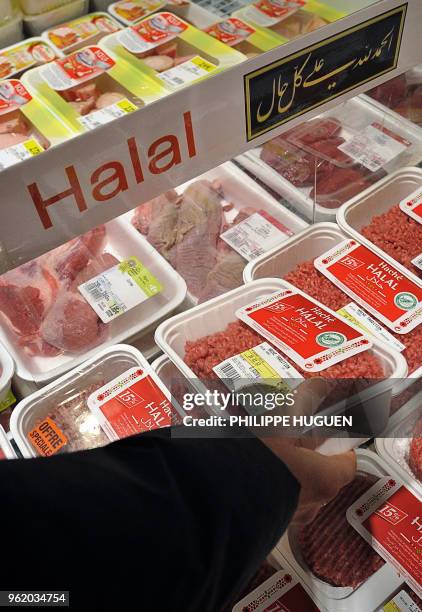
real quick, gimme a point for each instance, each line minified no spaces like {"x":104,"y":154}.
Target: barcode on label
{"x":96,"y":291}
{"x":229,"y":371}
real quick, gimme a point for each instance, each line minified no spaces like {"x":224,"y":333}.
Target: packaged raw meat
{"x":37,"y":21}
{"x":27,"y":128}
{"x":32,"y":52}
{"x":242,"y":36}
{"x":170,"y":51}
{"x":401,"y":443}
{"x":103,"y":287}
{"x":209,"y":334}
{"x":288,"y":20}
{"x":73,"y":35}
{"x":326,"y":161}
{"x":295,"y":263}
{"x":333,"y":559}
{"x":131,"y":13}
{"x":6,"y":449}
{"x":88,"y":88}
{"x":389,"y":227}
{"x":208,"y":229}
{"x":57,"y":418}
{"x":402,"y":94}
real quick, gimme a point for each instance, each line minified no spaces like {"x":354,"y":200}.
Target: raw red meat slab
{"x":332,"y":549}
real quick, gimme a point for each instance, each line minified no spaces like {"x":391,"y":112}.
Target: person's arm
{"x":145,"y":523}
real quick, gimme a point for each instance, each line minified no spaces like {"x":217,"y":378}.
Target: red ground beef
{"x":204,"y":354}
{"x":415,"y":451}
{"x":307,"y":278}
{"x":398,"y":235}
{"x":332,"y":549}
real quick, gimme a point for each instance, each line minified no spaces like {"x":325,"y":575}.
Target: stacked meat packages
{"x":403,"y":95}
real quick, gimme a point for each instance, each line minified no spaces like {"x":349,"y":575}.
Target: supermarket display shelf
{"x":101,"y":174}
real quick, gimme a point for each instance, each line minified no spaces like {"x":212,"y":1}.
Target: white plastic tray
{"x":123,"y":241}
{"x":107,"y":363}
{"x":36,"y":24}
{"x":357,"y":113}
{"x":5,"y":445}
{"x":309,"y":244}
{"x":394,"y":447}
{"x":242,"y":191}
{"x":378,"y":199}
{"x":371,"y":593}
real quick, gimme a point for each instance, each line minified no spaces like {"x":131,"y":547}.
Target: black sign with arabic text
{"x":295,"y":84}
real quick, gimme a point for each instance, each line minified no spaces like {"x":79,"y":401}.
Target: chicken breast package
{"x":243,"y":37}
{"x":211,"y":227}
{"x":87,"y":88}
{"x":87,"y":30}
{"x":403,"y":94}
{"x":101,"y":287}
{"x":288,"y":20}
{"x":172,"y":52}
{"x":27,"y":128}
{"x":131,"y":13}
{"x":32,"y":52}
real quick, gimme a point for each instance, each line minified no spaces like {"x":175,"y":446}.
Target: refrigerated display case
{"x":196,"y":170}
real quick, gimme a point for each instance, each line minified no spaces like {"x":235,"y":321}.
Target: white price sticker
{"x":19,"y":152}
{"x":105,"y":115}
{"x":374,"y":147}
{"x":412,"y":205}
{"x":122,"y":287}
{"x":187,"y":73}
{"x":417,"y":261}
{"x":402,"y":602}
{"x":256,"y":235}
{"x":352,"y":312}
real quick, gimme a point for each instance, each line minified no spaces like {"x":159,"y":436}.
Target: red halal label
{"x":132,"y":404}
{"x":377,"y":285}
{"x":279,"y":8}
{"x":85,"y":64}
{"x":13,"y":95}
{"x":231,"y":31}
{"x":313,"y":336}
{"x":160,"y":28}
{"x":396,"y":527}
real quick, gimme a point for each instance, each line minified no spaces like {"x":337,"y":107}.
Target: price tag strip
{"x":187,"y":73}
{"x":375,"y":284}
{"x":280,"y":593}
{"x":132,"y":403}
{"x":257,"y":234}
{"x":374,"y":147}
{"x":313,"y":336}
{"x":105,"y":115}
{"x":119,"y":289}
{"x":389,"y":517}
{"x":412,"y":205}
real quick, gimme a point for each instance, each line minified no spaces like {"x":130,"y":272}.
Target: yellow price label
{"x":33,"y":147}
{"x":204,"y":64}
{"x":127,"y":106}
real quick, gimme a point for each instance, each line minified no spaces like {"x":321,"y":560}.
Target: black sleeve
{"x":147,"y":523}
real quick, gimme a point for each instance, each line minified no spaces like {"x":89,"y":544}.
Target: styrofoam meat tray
{"x":122,"y":241}
{"x":106,"y":365}
{"x":368,"y":595}
{"x":242,"y":191}
{"x":356,"y":113}
{"x":378,"y":199}
{"x":214,"y":316}
{"x":394,"y":447}
{"x":309,"y":244}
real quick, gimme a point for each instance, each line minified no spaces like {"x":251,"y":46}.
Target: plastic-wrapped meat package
{"x":16,"y":129}
{"x":74,"y":419}
{"x":403,"y":94}
{"x":90,"y":97}
{"x":308,"y":156}
{"x":331,"y":548}
{"x":40,"y":302}
{"x":186,"y":230}
{"x":165,"y":56}
{"x":307,"y":278}
{"x":299,"y":24}
{"x":398,"y":235}
{"x":415,"y":451}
